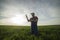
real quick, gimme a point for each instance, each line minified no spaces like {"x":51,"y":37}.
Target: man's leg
{"x":32,"y":30}
{"x":35,"y":30}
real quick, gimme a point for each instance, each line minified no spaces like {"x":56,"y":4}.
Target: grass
{"x":50,"y":32}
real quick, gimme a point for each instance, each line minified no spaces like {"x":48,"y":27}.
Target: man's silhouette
{"x":33,"y":20}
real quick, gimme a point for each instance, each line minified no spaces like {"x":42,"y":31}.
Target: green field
{"x":23,"y":33}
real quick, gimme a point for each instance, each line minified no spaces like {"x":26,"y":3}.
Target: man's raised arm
{"x":27,"y":18}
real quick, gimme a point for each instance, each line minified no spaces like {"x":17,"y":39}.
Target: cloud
{"x":45,"y":9}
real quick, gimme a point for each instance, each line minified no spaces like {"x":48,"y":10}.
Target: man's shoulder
{"x":36,"y":17}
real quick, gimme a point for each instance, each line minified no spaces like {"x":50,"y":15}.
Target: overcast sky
{"x":48,"y":11}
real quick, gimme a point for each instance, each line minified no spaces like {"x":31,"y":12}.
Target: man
{"x":33,"y":20}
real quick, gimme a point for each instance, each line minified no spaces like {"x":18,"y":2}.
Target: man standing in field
{"x":33,"y":20}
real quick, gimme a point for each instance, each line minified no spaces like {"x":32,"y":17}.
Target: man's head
{"x":33,"y":14}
